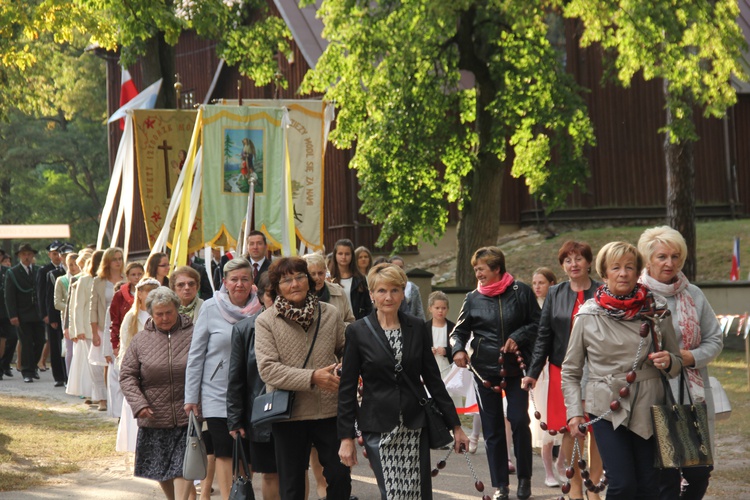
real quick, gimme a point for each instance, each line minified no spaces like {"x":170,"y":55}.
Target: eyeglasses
{"x":186,"y":284}
{"x":299,"y":278}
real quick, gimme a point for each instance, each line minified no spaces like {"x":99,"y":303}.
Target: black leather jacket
{"x":244,"y":384}
{"x":360,"y":297}
{"x":513,"y":314}
{"x":555,"y":326}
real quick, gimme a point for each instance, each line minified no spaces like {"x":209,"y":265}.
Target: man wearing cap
{"x":8,"y":336}
{"x":23,"y":310}
{"x":45,"y":288}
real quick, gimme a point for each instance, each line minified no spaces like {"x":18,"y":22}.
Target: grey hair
{"x":315,"y":259}
{"x":161,"y":296}
{"x":236,"y":263}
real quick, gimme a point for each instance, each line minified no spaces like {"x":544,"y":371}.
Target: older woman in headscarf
{"x":698,"y":334}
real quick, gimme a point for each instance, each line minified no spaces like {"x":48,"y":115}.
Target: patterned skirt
{"x":401,"y":462}
{"x":159,"y":453}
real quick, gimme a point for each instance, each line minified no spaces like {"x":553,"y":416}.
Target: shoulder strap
{"x":317,"y":327}
{"x":422,"y":399}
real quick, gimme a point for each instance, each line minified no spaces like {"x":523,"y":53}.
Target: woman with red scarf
{"x":503,"y":317}
{"x":606,"y":335}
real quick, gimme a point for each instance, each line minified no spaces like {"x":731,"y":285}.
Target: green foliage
{"x":694,"y":44}
{"x":394,"y":71}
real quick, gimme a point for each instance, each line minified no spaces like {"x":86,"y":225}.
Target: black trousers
{"x":10,"y":334}
{"x":293,"y":441}
{"x":493,"y":428}
{"x":55,"y":336}
{"x":629,"y":462}
{"x":697,"y":478}
{"x":31,"y":336}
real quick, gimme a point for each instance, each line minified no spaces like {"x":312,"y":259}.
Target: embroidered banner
{"x":306,"y":139}
{"x":162,"y":138}
{"x":240,"y":144}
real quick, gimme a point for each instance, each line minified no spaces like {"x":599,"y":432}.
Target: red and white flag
{"x":127,"y":92}
{"x":734,"y":275}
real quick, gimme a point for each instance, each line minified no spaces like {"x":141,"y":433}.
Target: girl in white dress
{"x":81,"y":380}
{"x":133,"y":322}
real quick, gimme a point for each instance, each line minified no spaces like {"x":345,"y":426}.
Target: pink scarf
{"x":687,"y":321}
{"x":497,"y":287}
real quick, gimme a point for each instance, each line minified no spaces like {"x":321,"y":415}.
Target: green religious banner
{"x":162,"y":138}
{"x":240,"y":145}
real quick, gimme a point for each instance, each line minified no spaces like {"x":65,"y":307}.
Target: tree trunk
{"x":480,"y":217}
{"x":681,"y":195}
{"x":159,"y":62}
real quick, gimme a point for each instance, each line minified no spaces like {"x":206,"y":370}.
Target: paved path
{"x":113,"y":480}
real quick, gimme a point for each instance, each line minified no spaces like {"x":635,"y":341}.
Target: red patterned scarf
{"x":624,"y":306}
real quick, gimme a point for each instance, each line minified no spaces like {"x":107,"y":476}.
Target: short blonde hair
{"x":435,"y":296}
{"x":664,"y":235}
{"x":390,"y":274}
{"x":315,"y":260}
{"x":613,"y":251}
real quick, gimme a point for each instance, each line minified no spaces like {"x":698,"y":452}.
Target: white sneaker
{"x":551,"y":482}
{"x":473,"y":440}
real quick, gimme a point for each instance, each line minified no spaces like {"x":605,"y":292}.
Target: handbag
{"x":242,"y":485}
{"x":437,"y":431}
{"x":681,"y":431}
{"x":195,"y":461}
{"x":276,"y":406}
{"x":722,"y":406}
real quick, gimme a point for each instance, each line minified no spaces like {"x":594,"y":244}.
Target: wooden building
{"x":628,"y":178}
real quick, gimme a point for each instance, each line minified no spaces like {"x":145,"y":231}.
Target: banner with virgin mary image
{"x":242,"y":145}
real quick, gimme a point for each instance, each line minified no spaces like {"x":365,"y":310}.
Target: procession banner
{"x":306,"y":139}
{"x":162,"y":139}
{"x":242,"y":143}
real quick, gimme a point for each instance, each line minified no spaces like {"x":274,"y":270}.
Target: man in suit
{"x":257,"y":250}
{"x":46,"y":294}
{"x":23,"y":310}
{"x":8,"y":335}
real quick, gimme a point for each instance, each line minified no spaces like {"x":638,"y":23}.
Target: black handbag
{"x":242,"y":485}
{"x":681,"y":431}
{"x":276,"y":406}
{"x":437,"y":431}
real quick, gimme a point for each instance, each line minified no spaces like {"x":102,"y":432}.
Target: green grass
{"x":714,"y":248}
{"x":38,"y":440}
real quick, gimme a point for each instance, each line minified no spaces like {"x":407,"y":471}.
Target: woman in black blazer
{"x":394,"y":434}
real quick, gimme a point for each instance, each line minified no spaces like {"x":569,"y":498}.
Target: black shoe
{"x":502,"y":493}
{"x":8,"y":372}
{"x":36,"y":375}
{"x":59,"y":383}
{"x":28,"y":379}
{"x":524,"y":488}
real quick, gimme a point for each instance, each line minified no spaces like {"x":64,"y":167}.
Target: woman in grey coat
{"x":208,"y":363}
{"x":698,"y":333}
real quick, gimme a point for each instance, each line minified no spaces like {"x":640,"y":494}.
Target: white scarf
{"x":687,"y":320}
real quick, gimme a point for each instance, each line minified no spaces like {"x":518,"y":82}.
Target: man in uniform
{"x":45,"y":287}
{"x":23,"y":310}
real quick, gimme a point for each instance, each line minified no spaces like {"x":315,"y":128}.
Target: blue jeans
{"x":628,"y":461}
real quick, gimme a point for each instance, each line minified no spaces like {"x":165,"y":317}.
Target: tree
{"x":53,"y":149}
{"x":695,"y":47}
{"x":394,"y":70}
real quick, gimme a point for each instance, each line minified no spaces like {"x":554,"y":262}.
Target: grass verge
{"x":38,"y":440}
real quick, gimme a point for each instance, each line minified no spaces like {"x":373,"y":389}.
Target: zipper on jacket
{"x":502,"y":323}
{"x":171,"y":380}
{"x":220,"y":365}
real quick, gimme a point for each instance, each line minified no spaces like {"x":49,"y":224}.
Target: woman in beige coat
{"x":284,"y":334}
{"x":606,"y":334}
